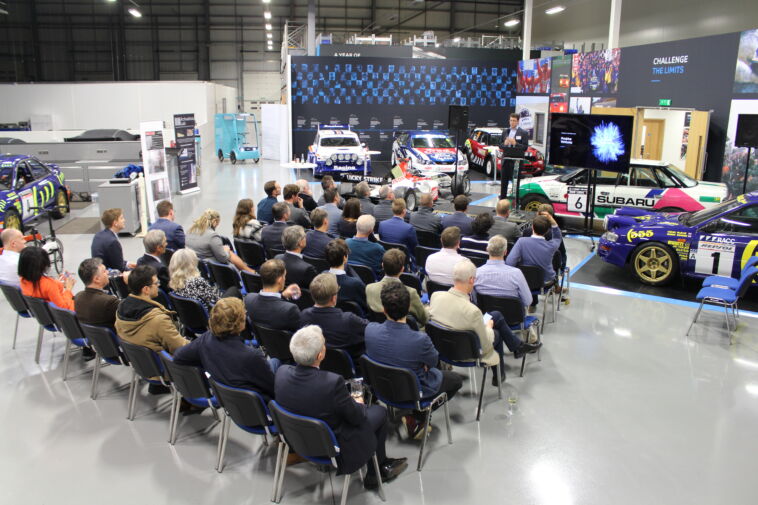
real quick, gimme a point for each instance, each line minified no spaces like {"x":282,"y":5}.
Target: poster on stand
{"x":184,"y":132}
{"x":154,"y":163}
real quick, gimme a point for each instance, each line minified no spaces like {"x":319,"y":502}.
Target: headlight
{"x":354,"y":158}
{"x":329,"y":162}
{"x":610,"y":236}
{"x":334,"y":157}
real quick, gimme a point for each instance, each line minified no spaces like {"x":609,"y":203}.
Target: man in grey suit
{"x":362,"y":191}
{"x":331,"y":206}
{"x":502,"y":226}
{"x":425,"y":219}
{"x":383,"y":210}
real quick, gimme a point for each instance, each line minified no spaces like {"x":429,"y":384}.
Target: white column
{"x":614,"y":25}
{"x":527,"y":37}
{"x":311,"y":28}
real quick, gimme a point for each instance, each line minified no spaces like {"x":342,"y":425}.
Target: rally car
{"x":652,"y":185}
{"x":483,"y":150}
{"x":26,"y":183}
{"x":718,"y":240}
{"x":338,"y":149}
{"x":428,"y":151}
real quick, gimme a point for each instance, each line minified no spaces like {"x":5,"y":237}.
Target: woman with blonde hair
{"x":244,"y":224}
{"x":203,"y":239}
{"x":186,"y":280}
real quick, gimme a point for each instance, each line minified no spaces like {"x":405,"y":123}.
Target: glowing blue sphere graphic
{"x":607,"y":142}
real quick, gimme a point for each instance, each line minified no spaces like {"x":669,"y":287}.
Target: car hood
{"x":438,"y":154}
{"x":626,"y":217}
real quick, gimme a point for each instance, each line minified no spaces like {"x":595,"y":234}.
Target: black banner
{"x":184,"y":130}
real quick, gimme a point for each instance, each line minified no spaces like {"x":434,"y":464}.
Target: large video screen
{"x":591,"y":141}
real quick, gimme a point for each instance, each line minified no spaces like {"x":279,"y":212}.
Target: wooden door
{"x":652,"y":142}
{"x":697,"y":137}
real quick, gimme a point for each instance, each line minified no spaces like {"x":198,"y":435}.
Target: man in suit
{"x":265,"y":206}
{"x":317,"y":238}
{"x":155,"y":245}
{"x":363,"y":251}
{"x":512,"y":136}
{"x":397,"y":231}
{"x":361,"y":431}
{"x":362,"y":192}
{"x":270,"y":307}
{"x":351,"y":286}
{"x":93,"y":305}
{"x":501,"y":225}
{"x":425,"y":219}
{"x":331,"y":199}
{"x":105,"y":243}
{"x":383,"y":210}
{"x":299,"y":271}
{"x":327,"y":182}
{"x":306,"y":195}
{"x":459,"y":217}
{"x":394,"y":343}
{"x":271,"y":235}
{"x":394,"y":265}
{"x":298,"y":215}
{"x":174,"y":232}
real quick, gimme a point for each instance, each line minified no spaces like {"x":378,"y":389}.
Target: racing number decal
{"x":750,"y":250}
{"x":27,"y":202}
{"x":715,"y":257}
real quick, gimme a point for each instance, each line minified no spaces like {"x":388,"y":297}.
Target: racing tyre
{"x":233,"y":158}
{"x":532,"y":202}
{"x":654,"y":263}
{"x":489,"y":166}
{"x":463,"y":186}
{"x":257,"y":160}
{"x":61,"y":204}
{"x":13,"y":220}
{"x":220,"y":155}
{"x":410,"y":200}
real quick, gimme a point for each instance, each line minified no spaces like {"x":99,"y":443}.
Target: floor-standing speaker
{"x":457,"y":118}
{"x":747,"y":131}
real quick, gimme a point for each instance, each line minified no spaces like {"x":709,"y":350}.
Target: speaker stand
{"x":747,"y":171}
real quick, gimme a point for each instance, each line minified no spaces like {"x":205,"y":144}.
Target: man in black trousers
{"x":511,"y":136}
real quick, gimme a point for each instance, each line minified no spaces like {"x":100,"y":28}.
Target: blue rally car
{"x":25,"y":183}
{"x":657,"y":246}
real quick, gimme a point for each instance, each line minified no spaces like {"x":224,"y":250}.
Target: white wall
{"x":672,"y":134}
{"x":262,"y":86}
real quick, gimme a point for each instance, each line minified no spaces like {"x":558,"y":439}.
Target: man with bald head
{"x":13,"y":244}
{"x":425,"y":219}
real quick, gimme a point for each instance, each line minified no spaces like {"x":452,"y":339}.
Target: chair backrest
{"x":190,"y":381}
{"x":534,"y":275}
{"x":339,"y":362}
{"x":309,"y":437}
{"x":751,"y":262}
{"x":422,"y":253}
{"x":320,"y":264}
{"x":250,"y":251}
{"x":205,"y":272}
{"x":305,"y":301}
{"x":411,"y":280}
{"x":746,"y":279}
{"x":511,"y":307}
{"x":476,"y":257}
{"x":40,"y":310}
{"x":224,"y":275}
{"x":105,"y":342}
{"x":144,"y":361}
{"x":428,"y":239}
{"x":163,"y":299}
{"x":365,"y":273}
{"x":192,"y":313}
{"x":15,"y":298}
{"x":391,"y":384}
{"x":432,"y":287}
{"x":118,"y":287}
{"x":251,"y":281}
{"x":166,"y":256}
{"x":392,"y":245}
{"x":68,"y":323}
{"x":276,"y":342}
{"x":350,"y":306}
{"x":454,"y":345}
{"x":273,"y":251}
{"x":246,"y":407}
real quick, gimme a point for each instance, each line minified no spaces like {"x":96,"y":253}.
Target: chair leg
{"x":277,"y":469}
{"x":345,"y":487}
{"x":481,"y":393}
{"x":132,"y":396}
{"x":447,"y":421}
{"x":282,"y":470}
{"x":15,"y":331}
{"x":379,"y":479}
{"x":726,"y":316}
{"x":39,"y":344}
{"x":423,"y":440}
{"x":222,"y":444}
{"x":523,"y":364}
{"x":697,"y":314}
{"x":175,"y":416}
{"x":499,"y":382}
{"x":95,"y":377}
{"x":66,"y":358}
{"x":214,"y":411}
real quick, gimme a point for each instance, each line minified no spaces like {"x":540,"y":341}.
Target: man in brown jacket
{"x":93,"y":305}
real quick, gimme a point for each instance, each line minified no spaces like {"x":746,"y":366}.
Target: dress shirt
{"x":498,"y":279}
{"x":439,"y":266}
{"x":270,"y":293}
{"x":9,"y":267}
{"x":535,"y":250}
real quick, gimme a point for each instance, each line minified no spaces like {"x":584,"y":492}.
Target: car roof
{"x":422,"y":133}
{"x":13,"y":157}
{"x":490,"y":129}
{"x":337,"y":133}
{"x":650,"y":163}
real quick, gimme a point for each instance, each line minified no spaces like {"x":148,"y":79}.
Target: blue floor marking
{"x":488,"y":197}
{"x":581,"y":264}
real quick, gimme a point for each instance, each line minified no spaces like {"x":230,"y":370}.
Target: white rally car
{"x":338,"y":149}
{"x":651,"y":185}
{"x":428,"y":151}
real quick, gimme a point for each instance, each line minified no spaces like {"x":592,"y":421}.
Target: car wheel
{"x":233,"y":158}
{"x":671,"y":209}
{"x":13,"y":220}
{"x":654,"y":263}
{"x":489,"y":166}
{"x":220,"y":155}
{"x":257,"y":160}
{"x":410,"y":200}
{"x":61,"y":204}
{"x":461,"y":186}
{"x":532,"y":202}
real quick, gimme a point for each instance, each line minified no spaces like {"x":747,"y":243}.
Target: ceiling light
{"x":268,"y":26}
{"x":269,"y":35}
{"x":555,"y":10}
{"x":457,"y":39}
{"x":134,"y":12}
{"x":110,"y":1}
{"x":266,"y":1}
{"x":267,"y":15}
{"x":512,"y":22}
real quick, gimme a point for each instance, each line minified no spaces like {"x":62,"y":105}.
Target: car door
{"x":24,"y":186}
{"x":640,"y":188}
{"x":44,"y":189}
{"x":723,"y":245}
{"x":605,"y":194}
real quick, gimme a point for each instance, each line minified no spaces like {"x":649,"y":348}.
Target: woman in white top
{"x":245,"y":225}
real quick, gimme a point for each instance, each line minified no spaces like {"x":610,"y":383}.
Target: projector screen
{"x":591,"y":141}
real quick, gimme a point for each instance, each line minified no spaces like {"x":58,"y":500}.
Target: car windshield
{"x":339,"y":142}
{"x":695,"y":218}
{"x":6,"y":177}
{"x":567,"y":172}
{"x":439,"y":142}
{"x":685,"y":179}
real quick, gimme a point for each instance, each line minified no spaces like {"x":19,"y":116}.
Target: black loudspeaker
{"x":457,"y":118}
{"x":747,"y":131}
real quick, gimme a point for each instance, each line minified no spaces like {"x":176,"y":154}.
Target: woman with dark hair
{"x":33,"y":264}
{"x":481,"y":227}
{"x":244,"y":224}
{"x":350,"y":215}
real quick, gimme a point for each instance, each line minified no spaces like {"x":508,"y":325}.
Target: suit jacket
{"x":311,"y":392}
{"x":374,"y":299}
{"x":308,"y":202}
{"x":352,"y":289}
{"x":342,"y":330}
{"x":397,"y":231}
{"x":106,"y":246}
{"x":459,"y":219}
{"x":522,"y":136}
{"x":273,"y":312}
{"x":174,"y":232}
{"x":426,"y":220}
{"x":159,"y":266}
{"x":299,"y":271}
{"x":299,"y":216}
{"x":383,"y":210}
{"x":315,"y":243}
{"x":264,"y":210}
{"x":509,"y":230}
{"x":335,"y":215}
{"x":271,"y":235}
{"x":96,"y":307}
{"x":367,"y":206}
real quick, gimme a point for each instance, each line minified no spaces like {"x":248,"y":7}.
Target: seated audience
{"x":546,"y":207}
{"x":536,"y":250}
{"x":363,"y":251}
{"x":383,"y":210}
{"x":393,"y":263}
{"x":351,"y":286}
{"x":480,"y":235}
{"x":396,"y":230}
{"x":363,"y":192}
{"x":272,"y":190}
{"x":394,"y":343}
{"x":33,"y":265}
{"x":501,"y":226}
{"x":94,"y":305}
{"x":244,"y":224}
{"x":269,"y":306}
{"x":498,"y":279}
{"x":174,"y":232}
{"x":459,"y":218}
{"x":298,"y":215}
{"x":317,"y":238}
{"x":331,"y":198}
{"x":424,"y":219}
{"x":13,"y":243}
{"x":155,"y":245}
{"x":327,"y":182}
{"x":299,"y":271}
{"x":361,"y":431}
{"x":105,"y":243}
{"x":207,"y":244}
{"x":439,"y":266}
{"x":271,"y":235}
{"x":186,"y":281}
{"x":306,"y":195}
{"x":346,"y":228}
{"x":222,"y":352}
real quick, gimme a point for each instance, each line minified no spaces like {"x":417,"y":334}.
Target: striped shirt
{"x":498,"y":279}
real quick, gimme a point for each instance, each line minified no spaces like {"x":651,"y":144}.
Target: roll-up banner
{"x":184,"y":132}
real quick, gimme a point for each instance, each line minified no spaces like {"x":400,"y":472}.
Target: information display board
{"x":184,"y":132}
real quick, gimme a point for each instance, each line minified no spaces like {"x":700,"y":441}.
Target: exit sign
{"x":664,"y":102}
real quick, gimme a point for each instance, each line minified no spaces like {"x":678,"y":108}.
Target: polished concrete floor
{"x":622,"y":409}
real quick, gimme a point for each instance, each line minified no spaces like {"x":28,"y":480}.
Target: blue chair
{"x":146,"y":366}
{"x":251,"y":281}
{"x":250,"y":251}
{"x":41,"y":312}
{"x":399,"y":388}
{"x":16,"y":300}
{"x":728,"y":282}
{"x":67,"y":321}
{"x":338,"y":361}
{"x":192,"y":313}
{"x":725,"y":297}
{"x":312,"y":439}
{"x":247,"y":409}
{"x":462,"y":349}
{"x":106,"y":345}
{"x":535,"y":279}
{"x":225,"y":275}
{"x":365,"y":273}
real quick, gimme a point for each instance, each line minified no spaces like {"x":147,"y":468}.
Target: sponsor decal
{"x":634,"y":234}
{"x":622,"y":201}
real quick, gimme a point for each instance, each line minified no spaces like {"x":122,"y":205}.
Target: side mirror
{"x":363,"y":144}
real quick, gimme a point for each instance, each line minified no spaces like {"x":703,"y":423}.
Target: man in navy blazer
{"x":361,"y":431}
{"x":317,"y":238}
{"x":155,"y":245}
{"x":105,"y":243}
{"x":352,"y":288}
{"x":270,"y":307}
{"x":396,"y":230}
{"x":174,"y":232}
{"x":271,"y":235}
{"x":299,"y":271}
{"x":459,"y":217}
{"x":266,"y":205}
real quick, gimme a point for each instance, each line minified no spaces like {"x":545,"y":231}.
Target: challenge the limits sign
{"x":184,"y":131}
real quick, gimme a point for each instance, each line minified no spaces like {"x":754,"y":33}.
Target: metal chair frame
{"x":41,"y":312}
{"x":145,"y":364}
{"x":69,"y":325}
{"x":107,"y":350}
{"x":17,"y":302}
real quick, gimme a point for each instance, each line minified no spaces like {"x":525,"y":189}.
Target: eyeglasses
{"x":156,"y":283}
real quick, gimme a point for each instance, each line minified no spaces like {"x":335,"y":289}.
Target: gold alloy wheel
{"x":12,"y":220}
{"x":653,"y":264}
{"x":532,"y":206}
{"x":62,"y":203}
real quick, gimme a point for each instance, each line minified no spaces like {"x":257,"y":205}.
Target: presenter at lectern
{"x":511,"y":136}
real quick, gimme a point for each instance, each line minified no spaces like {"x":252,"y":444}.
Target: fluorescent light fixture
{"x":267,"y":15}
{"x":268,"y":26}
{"x":266,"y":1}
{"x":135,"y":12}
{"x":457,"y":39}
{"x":269,"y":36}
{"x":512,"y":22}
{"x":555,"y":10}
{"x":111,"y":1}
